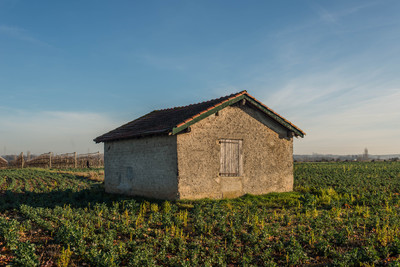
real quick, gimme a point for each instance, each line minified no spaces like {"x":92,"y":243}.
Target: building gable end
{"x":184,"y":125}
{"x":180,"y":127}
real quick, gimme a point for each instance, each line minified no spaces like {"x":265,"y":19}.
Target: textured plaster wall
{"x":144,"y":167}
{"x":267,"y":155}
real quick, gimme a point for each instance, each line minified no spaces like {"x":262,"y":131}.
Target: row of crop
{"x":23,"y":253}
{"x":322,"y":223}
{"x":37,"y":180}
{"x":214,"y":233}
{"x":352,"y":178}
{"x":44,"y":188}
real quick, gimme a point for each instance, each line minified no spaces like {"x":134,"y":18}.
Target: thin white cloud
{"x":22,"y":35}
{"x":333,"y":17}
{"x":327,"y":16}
{"x":343,"y":109}
{"x":347,"y":129}
{"x":55,"y":131}
{"x":344,"y":99}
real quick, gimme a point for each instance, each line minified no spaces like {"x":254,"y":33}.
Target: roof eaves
{"x":142,"y":134}
{"x":287,"y":124}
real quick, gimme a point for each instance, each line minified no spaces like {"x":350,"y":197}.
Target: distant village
{"x":315,"y":157}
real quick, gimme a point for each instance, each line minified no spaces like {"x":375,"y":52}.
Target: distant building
{"x":365,"y":155}
{"x":224,"y":147}
{"x":3,"y":163}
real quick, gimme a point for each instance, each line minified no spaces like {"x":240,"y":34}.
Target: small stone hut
{"x":220,"y":148}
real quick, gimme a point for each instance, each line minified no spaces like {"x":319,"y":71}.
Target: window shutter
{"x":231,"y":157}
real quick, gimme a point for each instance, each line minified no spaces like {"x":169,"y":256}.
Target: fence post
{"x":50,"y":153}
{"x":22,"y":160}
{"x":75,"y":160}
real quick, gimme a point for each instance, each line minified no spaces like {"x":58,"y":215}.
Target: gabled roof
{"x":3,"y":161}
{"x":174,"y":120}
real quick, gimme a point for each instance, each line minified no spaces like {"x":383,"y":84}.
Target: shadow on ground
{"x":76,"y":199}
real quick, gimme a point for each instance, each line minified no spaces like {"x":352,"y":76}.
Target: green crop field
{"x":340,"y":214}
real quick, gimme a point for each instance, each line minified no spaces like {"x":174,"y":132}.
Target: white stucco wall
{"x":143,"y":167}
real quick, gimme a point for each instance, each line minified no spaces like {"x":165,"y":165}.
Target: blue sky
{"x":72,"y":70}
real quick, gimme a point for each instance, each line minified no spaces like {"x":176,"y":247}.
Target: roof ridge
{"x":176,"y":119}
{"x":178,"y":107}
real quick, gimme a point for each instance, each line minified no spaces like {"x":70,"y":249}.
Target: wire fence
{"x":61,"y":161}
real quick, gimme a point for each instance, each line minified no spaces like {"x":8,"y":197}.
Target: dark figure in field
{"x":88,"y":164}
